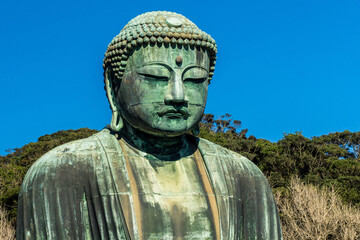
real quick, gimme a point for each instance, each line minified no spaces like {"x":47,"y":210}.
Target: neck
{"x":156,"y":145}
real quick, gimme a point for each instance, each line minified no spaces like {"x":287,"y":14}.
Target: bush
{"x":7,"y":231}
{"x":312,"y":213}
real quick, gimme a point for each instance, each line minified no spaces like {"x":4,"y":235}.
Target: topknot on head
{"x":162,"y":28}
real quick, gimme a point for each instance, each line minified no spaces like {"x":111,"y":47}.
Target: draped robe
{"x":84,"y":190}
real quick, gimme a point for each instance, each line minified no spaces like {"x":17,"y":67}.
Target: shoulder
{"x":79,"y":149}
{"x":231,"y":172}
{"x":234,"y":161}
{"x":72,"y":159}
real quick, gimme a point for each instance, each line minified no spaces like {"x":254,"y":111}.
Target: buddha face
{"x":163,"y":91}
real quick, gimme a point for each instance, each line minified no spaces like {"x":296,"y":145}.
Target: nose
{"x":176,"y":91}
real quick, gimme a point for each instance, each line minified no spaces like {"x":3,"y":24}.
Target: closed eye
{"x":196,"y":80}
{"x":154,"y":77}
{"x":195,"y":74}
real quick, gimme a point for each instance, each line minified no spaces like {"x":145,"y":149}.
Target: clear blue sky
{"x":283,"y":66}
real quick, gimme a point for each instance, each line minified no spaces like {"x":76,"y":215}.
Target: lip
{"x":173,"y":113}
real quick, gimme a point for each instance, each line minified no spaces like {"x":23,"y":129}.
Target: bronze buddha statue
{"x":145,"y":177}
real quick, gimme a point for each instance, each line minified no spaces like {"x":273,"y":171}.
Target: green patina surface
{"x":145,"y":178}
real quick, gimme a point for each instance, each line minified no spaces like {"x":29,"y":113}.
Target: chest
{"x":171,"y":197}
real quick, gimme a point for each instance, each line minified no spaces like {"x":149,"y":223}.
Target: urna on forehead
{"x":163,"y":29}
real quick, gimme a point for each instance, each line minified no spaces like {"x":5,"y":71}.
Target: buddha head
{"x":156,"y":74}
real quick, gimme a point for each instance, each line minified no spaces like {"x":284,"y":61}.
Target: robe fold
{"x":82,"y":190}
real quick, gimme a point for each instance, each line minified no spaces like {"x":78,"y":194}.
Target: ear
{"x":116,"y":120}
{"x":196,"y":130}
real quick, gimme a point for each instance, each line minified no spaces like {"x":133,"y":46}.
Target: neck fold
{"x":166,"y":147}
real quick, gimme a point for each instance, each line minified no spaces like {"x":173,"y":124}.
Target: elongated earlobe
{"x":196,"y":130}
{"x":116,"y":120}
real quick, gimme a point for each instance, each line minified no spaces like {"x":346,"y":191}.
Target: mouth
{"x":174,"y":114}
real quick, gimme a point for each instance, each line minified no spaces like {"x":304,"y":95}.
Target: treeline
{"x":329,"y":160}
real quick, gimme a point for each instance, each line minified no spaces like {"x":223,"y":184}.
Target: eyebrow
{"x":170,"y":68}
{"x":157,"y":63}
{"x":194,"y":65}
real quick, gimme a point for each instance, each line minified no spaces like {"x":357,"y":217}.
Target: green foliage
{"x":14,"y":166}
{"x":330,"y":160}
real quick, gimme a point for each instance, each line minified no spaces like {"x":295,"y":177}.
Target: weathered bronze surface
{"x":146,"y":178}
